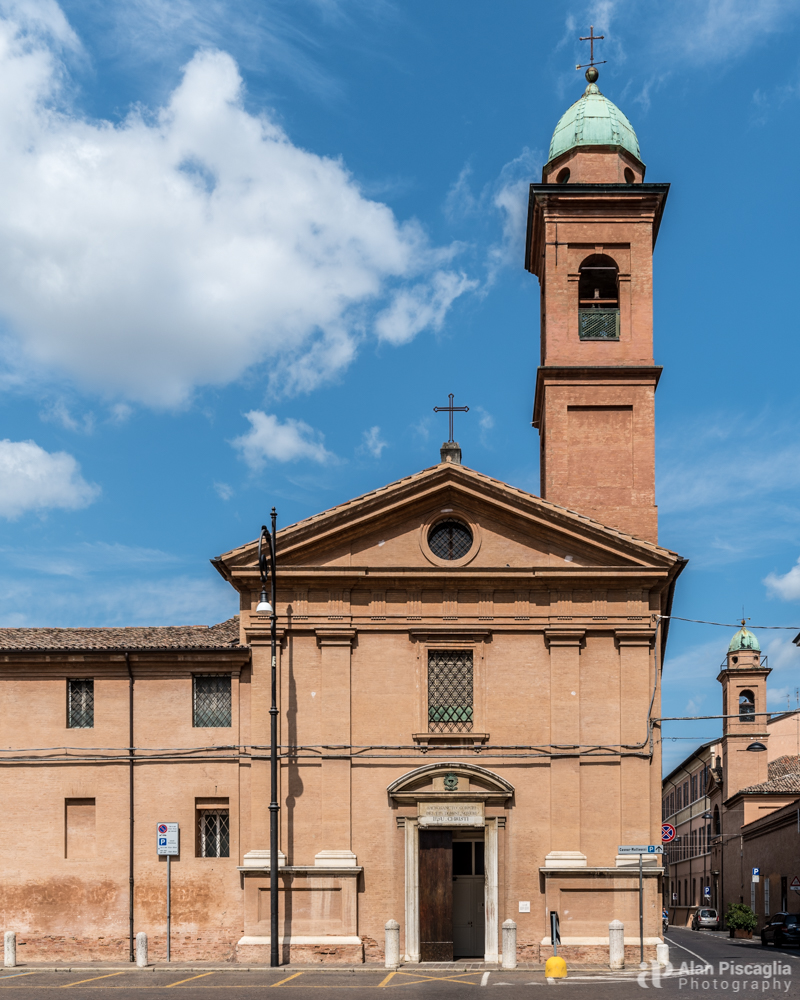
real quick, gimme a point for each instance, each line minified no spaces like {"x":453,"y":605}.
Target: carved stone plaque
{"x":451,"y":814}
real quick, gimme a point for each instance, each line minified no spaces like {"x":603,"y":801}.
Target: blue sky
{"x":245,"y":249}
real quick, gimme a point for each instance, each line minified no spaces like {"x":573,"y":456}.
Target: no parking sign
{"x":167,"y":838}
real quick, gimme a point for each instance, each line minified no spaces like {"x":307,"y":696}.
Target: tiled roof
{"x":468,"y":473}
{"x":224,"y":635}
{"x":787,"y":783}
{"x":788,"y":764}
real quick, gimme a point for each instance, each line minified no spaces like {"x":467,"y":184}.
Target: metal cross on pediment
{"x":451,"y":410}
{"x":591,"y":38}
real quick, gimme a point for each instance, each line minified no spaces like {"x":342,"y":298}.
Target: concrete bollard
{"x":509,"y":944}
{"x":141,"y":950}
{"x":616,"y":944}
{"x":392,"y":944}
{"x":10,"y":949}
{"x":662,"y":954}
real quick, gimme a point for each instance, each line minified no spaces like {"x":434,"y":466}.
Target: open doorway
{"x":451,"y":895}
{"x":468,"y":897}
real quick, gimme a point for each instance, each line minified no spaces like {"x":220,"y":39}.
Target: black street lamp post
{"x":266,"y":565}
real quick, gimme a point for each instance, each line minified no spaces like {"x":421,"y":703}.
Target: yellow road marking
{"x":385,"y":982}
{"x":181,"y":981}
{"x":287,"y":979}
{"x":107,"y":976}
{"x":418,"y":976}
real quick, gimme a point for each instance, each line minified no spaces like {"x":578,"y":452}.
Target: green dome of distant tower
{"x":593,"y":120}
{"x":744,"y":639}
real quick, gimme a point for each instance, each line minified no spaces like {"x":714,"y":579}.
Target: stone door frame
{"x":490,"y":891}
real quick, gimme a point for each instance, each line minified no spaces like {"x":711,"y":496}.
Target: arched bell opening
{"x":598,"y":298}
{"x":747,"y":707}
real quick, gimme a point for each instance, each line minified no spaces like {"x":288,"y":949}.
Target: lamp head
{"x":756,"y":747}
{"x":263,"y":607}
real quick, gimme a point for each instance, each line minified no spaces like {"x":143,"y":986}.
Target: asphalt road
{"x":703,"y":963}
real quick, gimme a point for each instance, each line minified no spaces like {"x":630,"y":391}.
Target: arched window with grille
{"x":598,"y":298}
{"x":747,"y":707}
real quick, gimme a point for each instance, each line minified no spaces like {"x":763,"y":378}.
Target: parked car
{"x":705,"y":919}
{"x":782,"y":929}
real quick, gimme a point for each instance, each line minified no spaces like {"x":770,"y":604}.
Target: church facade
{"x":468,"y":678}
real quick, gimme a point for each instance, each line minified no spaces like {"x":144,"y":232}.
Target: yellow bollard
{"x":555,"y":968}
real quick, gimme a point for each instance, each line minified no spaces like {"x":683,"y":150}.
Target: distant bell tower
{"x":592,"y":227}
{"x":744,"y":702}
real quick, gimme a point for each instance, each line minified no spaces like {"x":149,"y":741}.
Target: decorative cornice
{"x":334,"y":637}
{"x":564,"y":637}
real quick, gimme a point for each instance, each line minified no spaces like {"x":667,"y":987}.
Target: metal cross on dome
{"x":591,"y":38}
{"x":450,"y":410}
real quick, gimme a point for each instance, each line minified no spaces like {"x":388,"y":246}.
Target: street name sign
{"x":640,"y":849}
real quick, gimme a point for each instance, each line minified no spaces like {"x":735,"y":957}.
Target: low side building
{"x":753,"y":793}
{"x":685,"y":805}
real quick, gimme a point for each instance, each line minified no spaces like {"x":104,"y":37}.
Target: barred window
{"x":450,"y":539}
{"x":213,"y":833}
{"x":80,"y":703}
{"x":450,"y":691}
{"x":212,"y":700}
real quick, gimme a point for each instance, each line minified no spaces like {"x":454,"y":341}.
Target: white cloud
{"x":58,"y":412}
{"x":184,"y":246}
{"x":373,"y":444}
{"x":289,"y":441}
{"x":34,"y":479}
{"x":223,"y":491}
{"x":423,"y":305}
{"x":785,"y":586}
{"x":505,"y":196}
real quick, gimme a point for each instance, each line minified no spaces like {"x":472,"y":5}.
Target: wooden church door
{"x":436,"y":895}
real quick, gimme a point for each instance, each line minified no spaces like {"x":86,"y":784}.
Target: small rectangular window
{"x":212,"y":701}
{"x":213,"y":833}
{"x":80,"y":703}
{"x":450,"y":691}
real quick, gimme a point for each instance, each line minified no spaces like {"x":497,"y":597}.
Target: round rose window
{"x":450,"y":539}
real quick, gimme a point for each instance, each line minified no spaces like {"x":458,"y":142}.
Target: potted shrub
{"x":741,"y":920}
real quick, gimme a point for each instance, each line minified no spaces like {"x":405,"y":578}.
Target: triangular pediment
{"x":513,"y":531}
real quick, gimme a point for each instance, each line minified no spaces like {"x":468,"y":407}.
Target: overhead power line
{"x":700,"y":621}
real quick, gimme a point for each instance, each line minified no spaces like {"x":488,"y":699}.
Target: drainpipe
{"x":131,"y":948}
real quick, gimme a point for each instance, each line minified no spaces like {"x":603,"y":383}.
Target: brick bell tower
{"x":592,"y":228}
{"x":744,"y":702}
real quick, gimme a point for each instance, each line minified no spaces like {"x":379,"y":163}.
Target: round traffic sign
{"x":162,"y":827}
{"x":667,"y":833}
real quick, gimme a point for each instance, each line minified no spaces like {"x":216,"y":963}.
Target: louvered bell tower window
{"x":450,"y":691}
{"x":212,"y":701}
{"x":80,"y":703}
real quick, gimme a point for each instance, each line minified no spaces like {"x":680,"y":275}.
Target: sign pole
{"x":168,"y":843}
{"x":641,"y":916}
{"x":169,"y":900}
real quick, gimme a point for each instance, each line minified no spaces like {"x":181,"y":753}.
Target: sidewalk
{"x":179,"y":967}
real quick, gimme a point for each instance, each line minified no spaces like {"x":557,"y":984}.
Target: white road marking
{"x":694,"y":954}
{"x":485,"y":978}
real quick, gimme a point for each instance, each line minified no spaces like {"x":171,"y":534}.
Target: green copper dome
{"x":744,"y":639}
{"x":593,"y":121}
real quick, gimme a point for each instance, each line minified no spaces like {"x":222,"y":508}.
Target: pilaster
{"x":335,"y":833}
{"x":565,"y":782}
